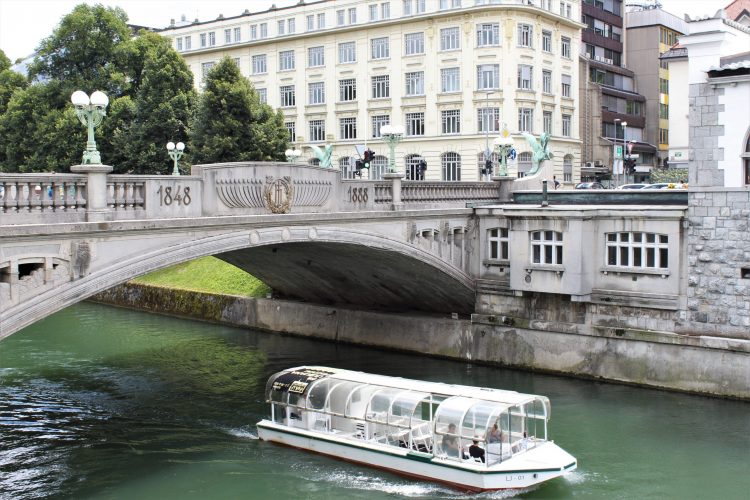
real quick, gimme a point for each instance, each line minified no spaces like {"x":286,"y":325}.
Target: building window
{"x":547,"y":41}
{"x":203,"y":39}
{"x":205,"y":68}
{"x":488,"y":34}
{"x":288,"y":98}
{"x":450,"y":80}
{"x":317,"y":130}
{"x":663,"y":136}
{"x":263,"y":30}
{"x":316,"y":57}
{"x":211,"y":39}
{"x":347,"y":52}
{"x":310,"y":20}
{"x":636,"y":249}
{"x":414,"y":124}
{"x":488,"y":119}
{"x":290,"y":25}
{"x":385,"y":10}
{"x":525,"y":35}
{"x":262,"y":95}
{"x":291,"y":127}
{"x":497,"y":243}
{"x":317,"y":93}
{"x":286,"y":60}
{"x":281,"y":27}
{"x":547,"y":247}
{"x":340,"y":17}
{"x":415,"y":83}
{"x":566,"y":85}
{"x":524,"y":163}
{"x":259,"y":64}
{"x":380,"y":48}
{"x":663,"y":86}
{"x":353,"y":15}
{"x":664,"y":111}
{"x":525,"y":119}
{"x":188,"y":42}
{"x":746,"y":157}
{"x":378,"y":167}
{"x":488,"y":76}
{"x":525,"y":74}
{"x":450,"y":4}
{"x":321,"y":21}
{"x":348,"y":89}
{"x":178,"y":42}
{"x":373,"y":12}
{"x":347,"y":167}
{"x":451,"y":121}
{"x":413,"y":7}
{"x":377,"y":123}
{"x":411,"y":167}
{"x":381,"y":87}
{"x":450,"y":39}
{"x":546,"y":81}
{"x":348,"y":128}
{"x":237,"y":34}
{"x":568,"y":168}
{"x":565,"y":47}
{"x":227,"y":36}
{"x":547,"y":122}
{"x":253,"y":32}
{"x":451,"y":166}
{"x":566,"y":125}
{"x":414,"y":43}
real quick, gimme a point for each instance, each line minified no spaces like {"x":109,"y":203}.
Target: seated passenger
{"x":476,"y":451}
{"x":496,"y":435}
{"x":450,"y":443}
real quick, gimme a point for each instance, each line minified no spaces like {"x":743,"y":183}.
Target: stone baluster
{"x":80,"y":193}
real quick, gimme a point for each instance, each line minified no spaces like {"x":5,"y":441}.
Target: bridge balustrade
{"x":22,"y":194}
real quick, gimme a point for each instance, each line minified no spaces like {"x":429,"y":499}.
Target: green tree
{"x":4,"y":61}
{"x":232,"y":124}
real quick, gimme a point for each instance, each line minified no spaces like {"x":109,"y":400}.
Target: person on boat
{"x":496,"y":435}
{"x":476,"y":451}
{"x":450,"y":441}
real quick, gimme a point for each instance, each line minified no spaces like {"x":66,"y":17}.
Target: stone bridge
{"x":371,"y":244}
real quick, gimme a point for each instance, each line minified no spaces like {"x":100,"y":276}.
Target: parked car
{"x":632,"y":186}
{"x":589,"y":185}
{"x":658,"y":185}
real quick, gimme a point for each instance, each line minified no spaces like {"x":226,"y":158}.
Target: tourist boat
{"x":470,"y":438}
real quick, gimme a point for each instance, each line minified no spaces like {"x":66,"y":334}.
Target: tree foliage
{"x":231,"y":122}
{"x":4,"y":61}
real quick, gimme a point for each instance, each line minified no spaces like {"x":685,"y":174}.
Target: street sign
{"x":618,"y":152}
{"x":512,"y":154}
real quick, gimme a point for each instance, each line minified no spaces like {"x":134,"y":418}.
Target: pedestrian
{"x":555,"y":181}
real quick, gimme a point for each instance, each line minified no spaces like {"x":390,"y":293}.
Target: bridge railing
{"x":437,"y":193}
{"x":33,"y":196}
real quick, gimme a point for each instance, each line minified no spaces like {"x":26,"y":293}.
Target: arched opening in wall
{"x":378,"y":167}
{"x":746,"y":159}
{"x":411,"y":163}
{"x":451,"y":166}
{"x":313,"y":162}
{"x":346,"y":166}
{"x":483,"y":168}
{"x":524,"y":164}
{"x":568,"y":168}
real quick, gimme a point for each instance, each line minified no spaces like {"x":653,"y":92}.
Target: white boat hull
{"x":532,"y":467}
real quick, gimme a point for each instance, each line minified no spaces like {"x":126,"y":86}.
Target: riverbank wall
{"x":696,"y":364}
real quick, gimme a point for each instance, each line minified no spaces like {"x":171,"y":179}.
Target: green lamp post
{"x":90,"y":112}
{"x":503,"y":145}
{"x":175,"y":152}
{"x":392,"y":135}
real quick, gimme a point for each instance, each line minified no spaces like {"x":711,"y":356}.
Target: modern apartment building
{"x":453,"y":73}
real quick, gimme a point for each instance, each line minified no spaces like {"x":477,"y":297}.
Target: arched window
{"x":494,"y":158}
{"x":746,"y":157}
{"x":412,"y":167}
{"x":451,"y":165}
{"x":378,"y":167}
{"x":346,"y":165}
{"x":313,"y":162}
{"x":524,"y":163}
{"x":568,"y":168}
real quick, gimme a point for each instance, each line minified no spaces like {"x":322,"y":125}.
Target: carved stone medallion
{"x":278,"y":194}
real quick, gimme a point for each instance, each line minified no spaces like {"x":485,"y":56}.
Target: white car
{"x":632,"y":186}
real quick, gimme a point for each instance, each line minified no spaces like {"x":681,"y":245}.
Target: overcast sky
{"x":24,"y":23}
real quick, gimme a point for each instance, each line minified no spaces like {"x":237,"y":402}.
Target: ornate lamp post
{"x":292,"y":155}
{"x":90,"y":112}
{"x":392,"y":135}
{"x":175,"y":152}
{"x":504,"y":147}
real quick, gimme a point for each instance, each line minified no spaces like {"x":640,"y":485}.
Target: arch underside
{"x":353,"y":275}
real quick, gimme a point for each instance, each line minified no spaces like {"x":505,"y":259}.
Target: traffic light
{"x":487,"y":167}
{"x":368,"y":156}
{"x":422,"y":167}
{"x":630,"y":165}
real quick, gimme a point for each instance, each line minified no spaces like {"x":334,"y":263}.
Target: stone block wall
{"x":718,"y":251}
{"x":705,"y":131}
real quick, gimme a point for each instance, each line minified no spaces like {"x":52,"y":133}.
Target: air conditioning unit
{"x":599,"y":58}
{"x":598,"y":163}
{"x":589,"y":164}
{"x":608,"y":61}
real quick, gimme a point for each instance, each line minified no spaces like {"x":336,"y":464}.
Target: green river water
{"x":104,"y":403}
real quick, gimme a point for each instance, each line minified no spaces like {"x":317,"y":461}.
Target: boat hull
{"x":422,"y":465}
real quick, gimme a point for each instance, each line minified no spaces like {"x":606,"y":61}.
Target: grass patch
{"x":207,"y":274}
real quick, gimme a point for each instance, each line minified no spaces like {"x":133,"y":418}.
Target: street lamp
{"x":292,"y":155}
{"x":175,"y":152}
{"x":392,"y":135}
{"x":90,"y":113}
{"x":504,"y":146}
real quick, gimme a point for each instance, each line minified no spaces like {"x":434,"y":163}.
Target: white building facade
{"x":453,"y":73}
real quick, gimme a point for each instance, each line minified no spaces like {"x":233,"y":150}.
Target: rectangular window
{"x":348,"y":89}
{"x":547,"y":41}
{"x":288,"y":96}
{"x":663,"y":136}
{"x":373,"y":12}
{"x":488,"y":34}
{"x":546,"y":81}
{"x":316,"y":93}
{"x":663,"y":86}
{"x":203,"y":39}
{"x":450,"y":80}
{"x":211,"y":39}
{"x":262,"y":95}
{"x":497,"y":243}
{"x":321,"y":21}
{"x":546,"y":247}
{"x":525,"y":74}
{"x":377,"y":123}
{"x":414,"y":43}
{"x":414,"y":124}
{"x":237,"y":34}
{"x":259,"y":64}
{"x":347,"y":52}
{"x":639,"y":250}
{"x":566,"y":127}
{"x":380,"y":48}
{"x":178,"y":42}
{"x":664,"y":111}
{"x":263,"y":30}
{"x":565,"y":47}
{"x":385,"y":10}
{"x":253,"y":32}
{"x":340,"y":17}
{"x":348,"y":128}
{"x":188,"y":42}
{"x":205,"y":68}
{"x":451,"y":121}
{"x":488,"y":119}
{"x":281,"y":27}
{"x":381,"y":87}
{"x":310,"y":20}
{"x":292,"y":129}
{"x":525,"y":119}
{"x":317,"y":130}
{"x":291,"y":28}
{"x":286,"y":60}
{"x":316,"y":57}
{"x":450,"y":39}
{"x":406,"y":7}
{"x":353,"y":15}
{"x":414,"y":83}
{"x":488,"y":76}
{"x":547,"y":122}
{"x":566,"y":85}
{"x":525,"y":35}
{"x":450,"y":4}
{"x":227,"y":36}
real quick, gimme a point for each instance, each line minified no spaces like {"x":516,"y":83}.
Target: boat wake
{"x":241,"y":433}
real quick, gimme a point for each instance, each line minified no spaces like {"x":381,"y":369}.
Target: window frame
{"x":550,"y":248}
